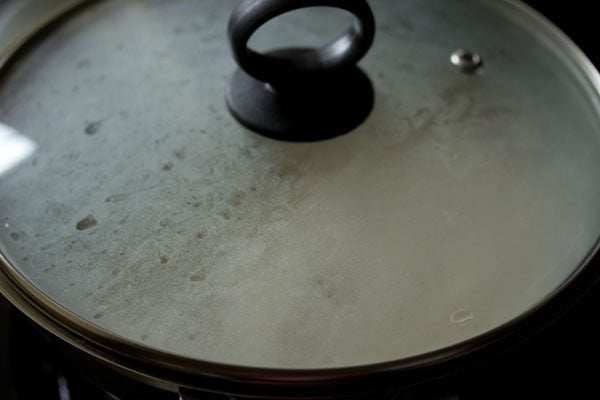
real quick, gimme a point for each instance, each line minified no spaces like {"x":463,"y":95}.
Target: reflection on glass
{"x":14,"y":148}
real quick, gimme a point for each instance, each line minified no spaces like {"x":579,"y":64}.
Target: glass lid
{"x":132,"y":197}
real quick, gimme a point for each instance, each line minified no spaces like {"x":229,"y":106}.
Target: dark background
{"x":561,"y":363}
{"x":578,"y":19}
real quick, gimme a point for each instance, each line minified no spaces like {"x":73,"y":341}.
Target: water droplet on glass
{"x":198,"y":277}
{"x":99,"y":315}
{"x":93,"y":128}
{"x":166,"y":223}
{"x":86,"y":223}
{"x":461,"y":316}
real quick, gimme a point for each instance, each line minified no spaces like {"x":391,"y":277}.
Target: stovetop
{"x":559,"y":363}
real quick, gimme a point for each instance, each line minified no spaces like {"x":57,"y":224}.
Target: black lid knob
{"x":300,"y":94}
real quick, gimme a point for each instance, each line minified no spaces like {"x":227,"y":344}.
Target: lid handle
{"x":300,"y":94}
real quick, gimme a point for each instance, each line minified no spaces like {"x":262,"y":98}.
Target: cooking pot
{"x":326,"y":230}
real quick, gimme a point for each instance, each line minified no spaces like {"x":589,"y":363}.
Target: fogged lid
{"x":137,"y":202}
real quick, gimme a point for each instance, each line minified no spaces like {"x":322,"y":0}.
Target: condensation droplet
{"x":93,"y":128}
{"x":198,"y":277}
{"x":86,"y":223}
{"x":461,"y":316}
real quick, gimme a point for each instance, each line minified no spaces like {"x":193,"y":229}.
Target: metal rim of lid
{"x":170,"y":371}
